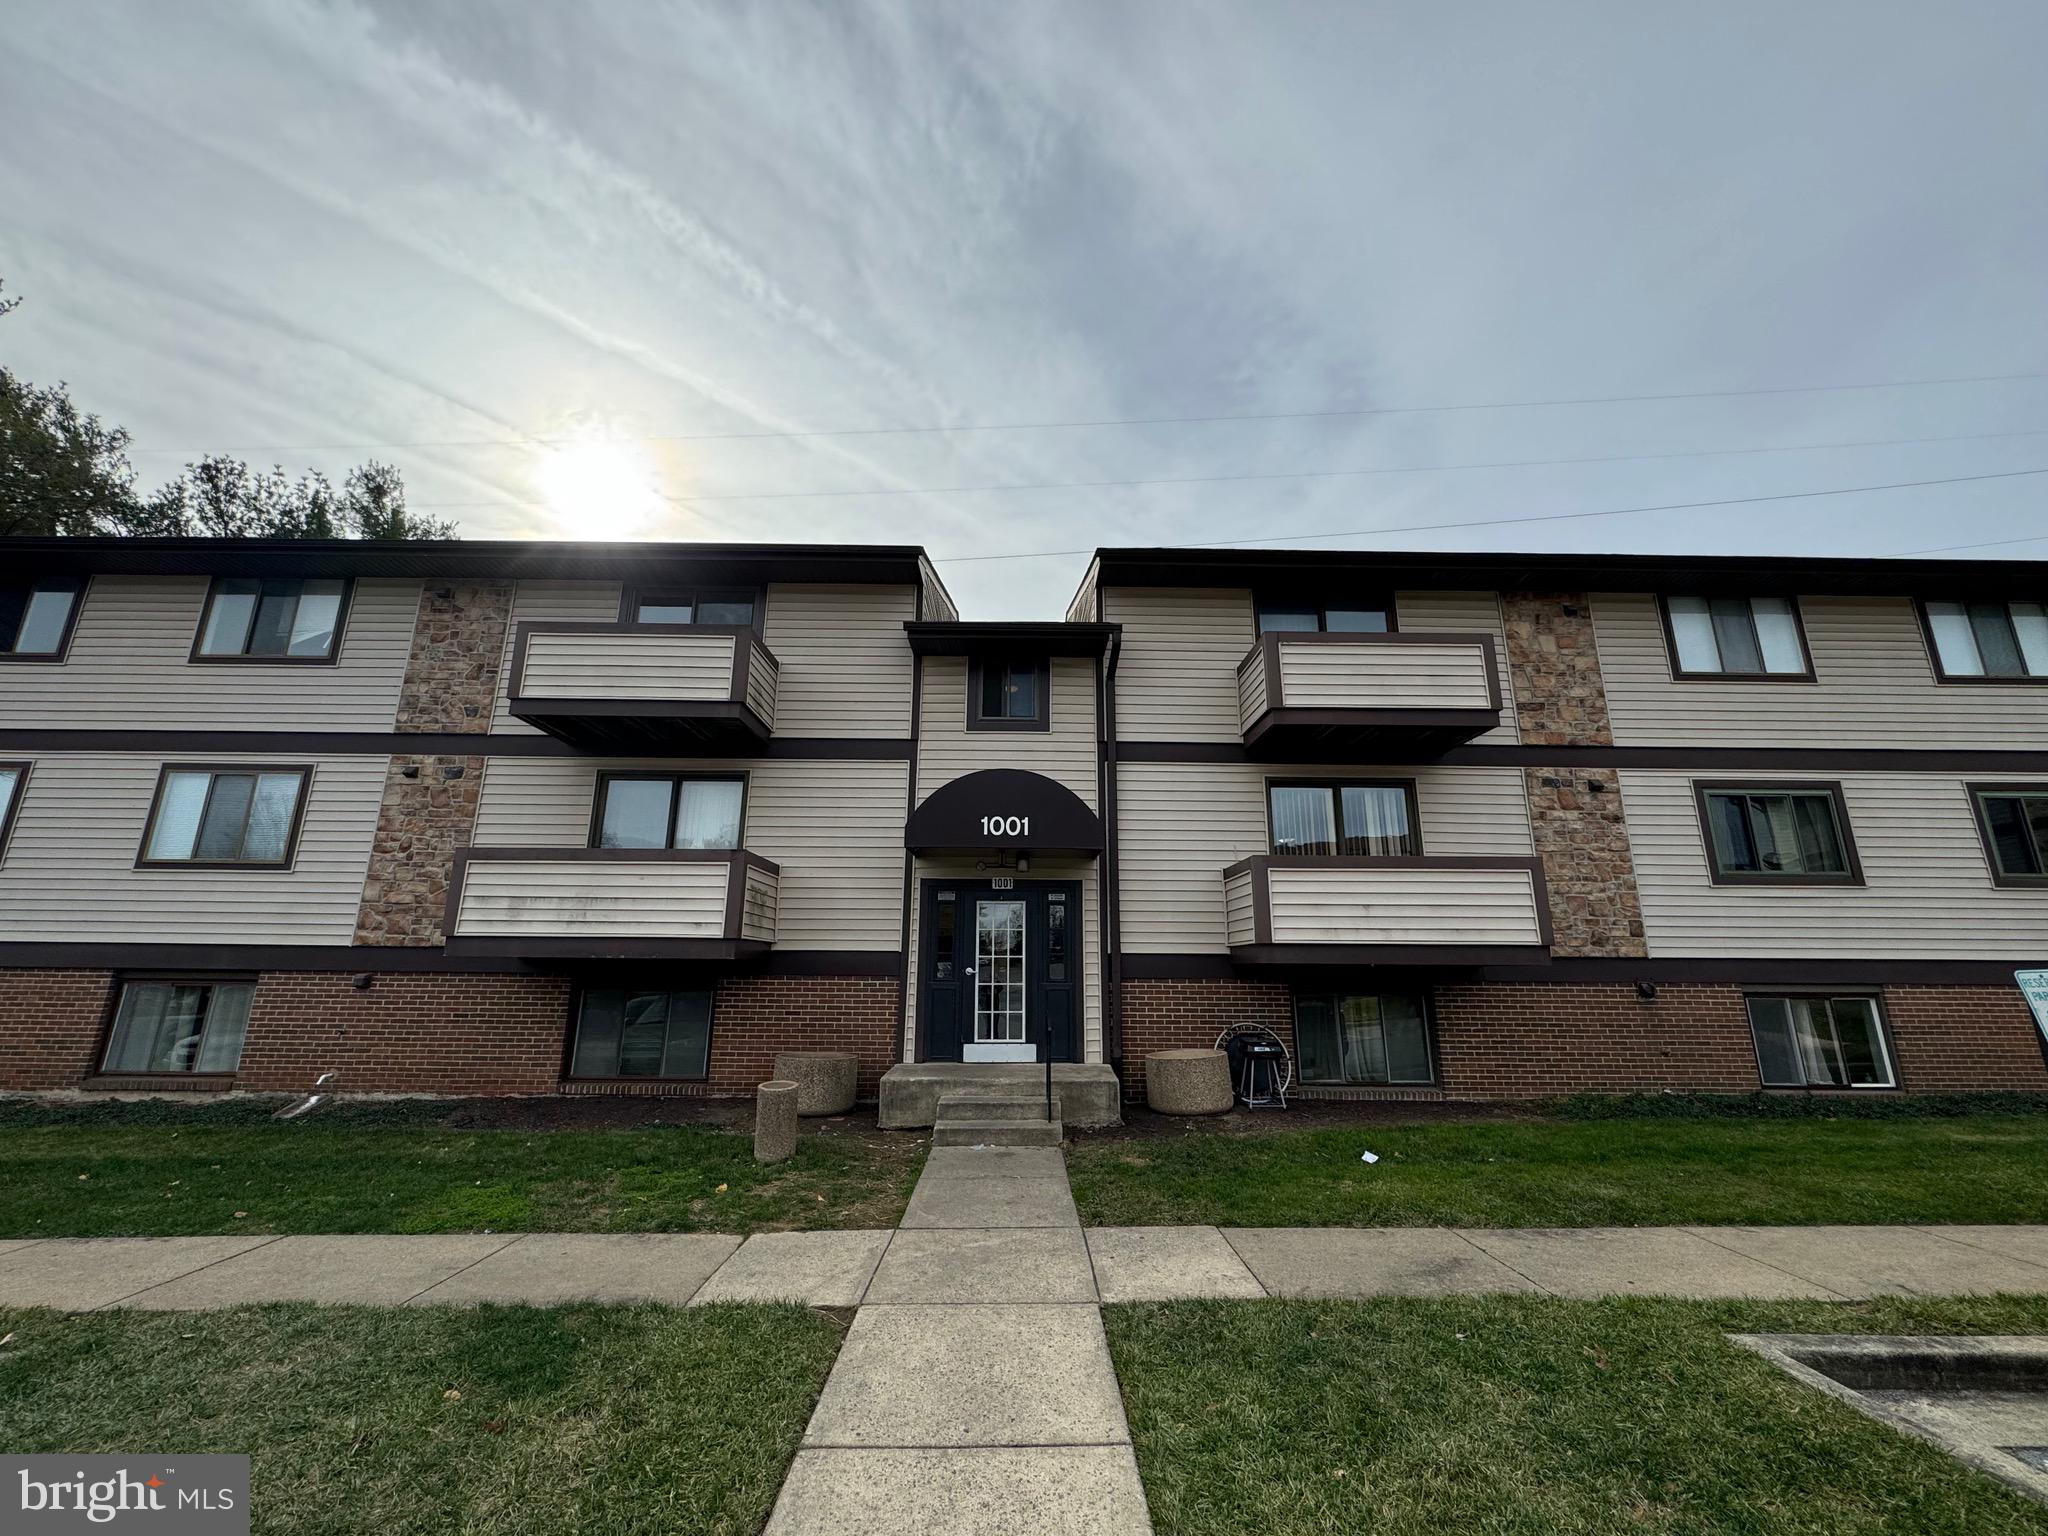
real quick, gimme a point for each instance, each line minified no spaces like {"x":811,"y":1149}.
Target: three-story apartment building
{"x":536,"y":818}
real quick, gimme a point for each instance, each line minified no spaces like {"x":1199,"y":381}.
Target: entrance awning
{"x":1004,"y":808}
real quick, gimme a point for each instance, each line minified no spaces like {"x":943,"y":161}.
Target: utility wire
{"x":1112,"y":421}
{"x":1949,"y":549}
{"x":1491,"y":522}
{"x":1302,"y":474}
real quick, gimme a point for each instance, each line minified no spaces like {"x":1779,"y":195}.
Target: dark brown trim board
{"x":331,"y":658}
{"x":429,"y":744}
{"x":63,"y":651}
{"x":730,"y":945}
{"x":1844,"y":976}
{"x":1977,"y":792}
{"x":373,"y":960}
{"x":291,"y":847}
{"x":1725,"y":759}
{"x":1680,"y":675}
{"x":1832,"y":788}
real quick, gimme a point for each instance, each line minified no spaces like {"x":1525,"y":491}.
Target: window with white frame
{"x":1819,"y":1042}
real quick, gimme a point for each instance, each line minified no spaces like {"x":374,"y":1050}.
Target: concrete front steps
{"x":1085,"y":1095}
{"x":980,"y":1118}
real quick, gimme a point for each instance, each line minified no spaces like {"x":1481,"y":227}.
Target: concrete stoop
{"x":1085,"y":1095}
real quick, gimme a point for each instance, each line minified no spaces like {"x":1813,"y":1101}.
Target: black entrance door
{"x":1001,"y":970}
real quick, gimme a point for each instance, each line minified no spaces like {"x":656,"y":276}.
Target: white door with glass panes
{"x":1000,"y":986}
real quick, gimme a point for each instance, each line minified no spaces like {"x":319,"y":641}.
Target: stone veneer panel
{"x":458,"y":645}
{"x":429,"y":811}
{"x":1575,"y":815}
{"x":1560,"y":700}
{"x":1581,"y":834}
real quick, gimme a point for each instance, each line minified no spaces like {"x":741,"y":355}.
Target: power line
{"x":1491,"y":522}
{"x":1303,"y":474}
{"x":1949,"y":549}
{"x":1116,"y":421}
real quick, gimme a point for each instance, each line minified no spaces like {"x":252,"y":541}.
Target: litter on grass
{"x":1368,"y":1157}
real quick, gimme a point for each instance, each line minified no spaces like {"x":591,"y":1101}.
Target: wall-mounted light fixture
{"x":1647,"y":991}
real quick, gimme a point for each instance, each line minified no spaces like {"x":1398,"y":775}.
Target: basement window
{"x":1362,"y":1038}
{"x":621,"y":1033}
{"x":171,"y":1026}
{"x":1819,"y":1042}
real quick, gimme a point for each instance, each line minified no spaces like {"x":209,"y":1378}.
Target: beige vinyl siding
{"x":1465,"y":613}
{"x":757,"y":914}
{"x":590,"y":602}
{"x":1081,"y":608}
{"x":1403,"y":906}
{"x":130,"y":667}
{"x":834,"y":827}
{"x":846,"y":664}
{"x":1252,"y":698}
{"x":1181,"y":824}
{"x":69,"y":875}
{"x":1426,"y":675}
{"x":1177,"y":679}
{"x":1928,"y":891}
{"x":936,"y":603}
{"x":761,"y":682}
{"x":1240,"y":909}
{"x":1874,"y":687}
{"x":961,"y":867}
{"x":625,"y":665}
{"x":530,"y":898}
{"x":1065,"y":753}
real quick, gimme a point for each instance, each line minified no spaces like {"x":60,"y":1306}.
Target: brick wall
{"x":1177,"y":1015}
{"x":1959,"y":1039}
{"x":50,"y":1024}
{"x":1531,"y":1040}
{"x":756,"y":1016}
{"x":447,"y":1034}
{"x":1527,"y":1040}
{"x":407,"y":1033}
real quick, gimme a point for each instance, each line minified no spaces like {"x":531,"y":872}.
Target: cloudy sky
{"x":696,"y":270}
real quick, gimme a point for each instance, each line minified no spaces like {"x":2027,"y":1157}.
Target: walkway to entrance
{"x":974,"y":1392}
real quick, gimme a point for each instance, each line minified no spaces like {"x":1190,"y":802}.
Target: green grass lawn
{"x":233,"y":1169}
{"x":609,"y":1420}
{"x":1531,"y":1415}
{"x":1575,"y":1173}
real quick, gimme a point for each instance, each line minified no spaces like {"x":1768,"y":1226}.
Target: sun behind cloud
{"x":600,"y":487}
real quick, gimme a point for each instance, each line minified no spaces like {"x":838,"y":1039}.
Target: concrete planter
{"x":774,"y":1122}
{"x":824,"y":1080}
{"x":1194,"y":1082}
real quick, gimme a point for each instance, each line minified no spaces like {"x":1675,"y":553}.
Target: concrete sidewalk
{"x":974,"y":1393}
{"x":1003,"y":1231}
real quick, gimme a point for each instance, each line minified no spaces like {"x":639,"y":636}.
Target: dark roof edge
{"x":1053,"y":637}
{"x":1653,"y":572}
{"x":882,"y":563}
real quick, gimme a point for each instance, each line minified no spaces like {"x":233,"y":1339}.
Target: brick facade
{"x":1509,"y":1040}
{"x":448,"y":1034}
{"x":428,"y":811}
{"x":50,"y":1026}
{"x":458,"y":647}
